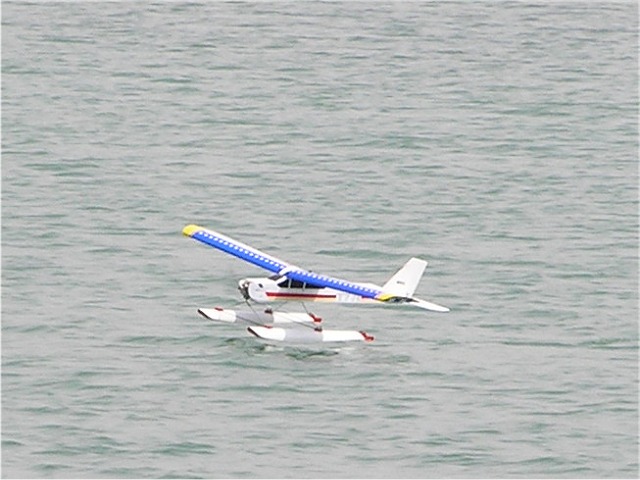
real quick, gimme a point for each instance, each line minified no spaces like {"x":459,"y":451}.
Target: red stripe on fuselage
{"x":297,"y":295}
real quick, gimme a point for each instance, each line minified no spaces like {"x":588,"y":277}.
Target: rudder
{"x":405,"y":281}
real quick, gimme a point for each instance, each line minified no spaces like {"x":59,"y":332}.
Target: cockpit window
{"x":288,"y":283}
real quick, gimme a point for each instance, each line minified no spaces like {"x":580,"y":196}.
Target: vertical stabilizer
{"x":405,"y":281}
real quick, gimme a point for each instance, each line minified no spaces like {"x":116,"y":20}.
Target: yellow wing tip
{"x":189,"y":230}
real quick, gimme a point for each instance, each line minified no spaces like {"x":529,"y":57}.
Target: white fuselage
{"x":277,"y":289}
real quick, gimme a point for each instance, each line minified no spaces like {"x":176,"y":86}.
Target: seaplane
{"x":289,"y":282}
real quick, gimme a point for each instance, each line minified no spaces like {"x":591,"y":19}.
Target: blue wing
{"x":272,"y":264}
{"x":235,"y":248}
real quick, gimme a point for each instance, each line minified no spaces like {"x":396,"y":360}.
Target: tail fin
{"x":405,"y":281}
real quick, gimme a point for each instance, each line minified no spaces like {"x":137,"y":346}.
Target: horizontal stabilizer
{"x":416,"y":302}
{"x":434,"y":307}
